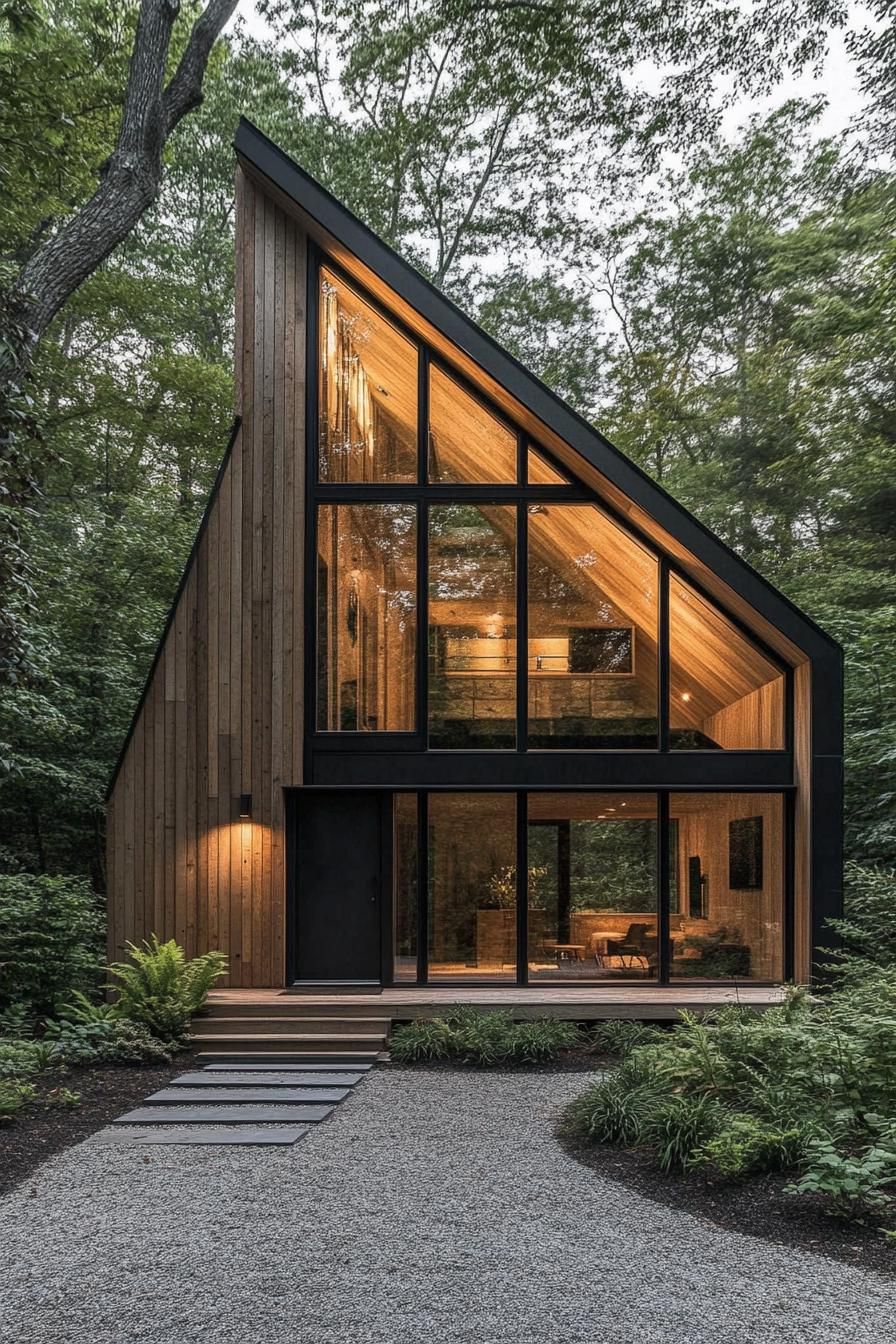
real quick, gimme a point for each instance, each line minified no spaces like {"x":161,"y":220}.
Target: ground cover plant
{"x":158,"y":991}
{"x":807,"y":1088}
{"x":468,"y":1036}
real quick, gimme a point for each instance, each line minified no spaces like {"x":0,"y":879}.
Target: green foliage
{"x":14,"y":1096}
{"x":105,"y":1040}
{"x":851,"y":1183}
{"x":161,"y":989}
{"x":23,"y":1059}
{"x":742,"y":1145}
{"x":808,"y":1086}
{"x":486,"y":1039}
{"x":51,"y":931}
{"x":620,"y":1036}
{"x":867,"y":931}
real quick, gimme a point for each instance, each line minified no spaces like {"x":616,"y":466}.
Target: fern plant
{"x":161,"y":988}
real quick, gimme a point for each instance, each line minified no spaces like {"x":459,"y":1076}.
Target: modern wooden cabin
{"x":452,"y":697}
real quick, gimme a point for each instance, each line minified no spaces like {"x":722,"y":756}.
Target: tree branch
{"x":131,"y":178}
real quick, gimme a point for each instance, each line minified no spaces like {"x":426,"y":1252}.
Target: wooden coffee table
{"x":569,"y":952}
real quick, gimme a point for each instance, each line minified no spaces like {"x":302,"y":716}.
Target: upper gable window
{"x":592,"y":646}
{"x":540,"y":472}
{"x":724,"y":692}
{"x":367,"y":395}
{"x":467,"y":444}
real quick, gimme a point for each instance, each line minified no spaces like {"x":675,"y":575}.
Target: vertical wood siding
{"x":223,"y":711}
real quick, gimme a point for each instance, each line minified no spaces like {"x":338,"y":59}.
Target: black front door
{"x":340,"y":863}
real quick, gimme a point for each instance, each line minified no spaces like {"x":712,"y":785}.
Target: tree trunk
{"x":130,"y":179}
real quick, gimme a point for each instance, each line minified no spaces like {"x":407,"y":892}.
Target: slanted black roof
{"x":268,"y":161}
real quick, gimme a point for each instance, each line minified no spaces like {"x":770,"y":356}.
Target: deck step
{"x":295,"y":1006}
{"x":251,"y":1062}
{"x":333,"y":1047}
{"x":375,"y":1027}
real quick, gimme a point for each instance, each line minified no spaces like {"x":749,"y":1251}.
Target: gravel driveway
{"x":432,"y":1206}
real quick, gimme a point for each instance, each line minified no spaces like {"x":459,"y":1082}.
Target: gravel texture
{"x":432,"y":1206}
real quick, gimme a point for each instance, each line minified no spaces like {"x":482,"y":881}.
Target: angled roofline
{"x":270,"y":162}
{"x":175,"y":602}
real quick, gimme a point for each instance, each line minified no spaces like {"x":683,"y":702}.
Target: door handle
{"x":374,"y":890}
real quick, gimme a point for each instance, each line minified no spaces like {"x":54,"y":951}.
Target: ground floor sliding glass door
{"x":589,"y":887}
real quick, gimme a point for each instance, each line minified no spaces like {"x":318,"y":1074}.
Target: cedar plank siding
{"x":222,"y":714}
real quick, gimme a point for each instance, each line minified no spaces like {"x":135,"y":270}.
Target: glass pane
{"x":592,"y":632}
{"x":472,"y":886}
{"x":367,"y":401}
{"x":540,"y":472}
{"x":730,"y":860}
{"x":472,"y":626}
{"x":466,"y":442}
{"x":366,"y":617}
{"x":724,"y":692}
{"x":592,"y":879}
{"x":404,"y":821}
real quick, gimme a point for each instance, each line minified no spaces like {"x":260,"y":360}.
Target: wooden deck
{"x":586,"y":1003}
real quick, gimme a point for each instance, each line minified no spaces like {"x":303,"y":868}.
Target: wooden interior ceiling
{"x":711,"y":662}
{"x":389,"y":360}
{"x":467,"y":443}
{"x":540,"y":472}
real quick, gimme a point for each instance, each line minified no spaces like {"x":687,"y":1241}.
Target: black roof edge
{"x":275,"y":164}
{"x":172,"y":610}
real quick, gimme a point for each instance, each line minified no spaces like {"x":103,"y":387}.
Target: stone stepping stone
{"x":226,"y":1095}
{"x":224,"y":1115}
{"x":228,"y":1063}
{"x":239,"y":1078}
{"x":249,"y":1138}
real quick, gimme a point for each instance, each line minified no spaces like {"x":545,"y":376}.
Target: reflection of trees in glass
{"x":612,"y":864}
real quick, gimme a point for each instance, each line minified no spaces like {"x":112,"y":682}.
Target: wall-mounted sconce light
{"x":245,"y":805}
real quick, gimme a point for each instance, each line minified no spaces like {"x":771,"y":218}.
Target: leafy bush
{"x":23,"y":1059}
{"x":867,"y":931}
{"x":620,"y":1036}
{"x":808,"y":1086}
{"x":13,"y":1097}
{"x":473,"y":1037}
{"x":743,"y":1145}
{"x":51,"y":935}
{"x":107,"y":1040}
{"x":851,"y":1184}
{"x":162,"y":989}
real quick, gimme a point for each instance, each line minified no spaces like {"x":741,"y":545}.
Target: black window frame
{"x":422,"y":493}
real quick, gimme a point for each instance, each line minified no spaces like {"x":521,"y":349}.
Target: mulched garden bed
{"x":40,"y":1130}
{"x":757,"y":1207}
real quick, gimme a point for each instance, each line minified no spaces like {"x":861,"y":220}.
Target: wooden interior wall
{"x":223,"y":711}
{"x":755,"y":918}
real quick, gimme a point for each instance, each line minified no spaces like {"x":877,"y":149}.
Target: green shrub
{"x":16,"y":1021}
{"x":115,"y":1040}
{"x":23,"y":1059}
{"x":851,"y":1184}
{"x":620,"y":1036}
{"x":474,"y":1037}
{"x":417,"y":1042}
{"x":51,"y":936}
{"x":614,"y":1110}
{"x":677,"y":1127}
{"x":13,"y":1097}
{"x":744,"y":1145}
{"x":807,"y":1087}
{"x":867,"y":931}
{"x":159,"y":987}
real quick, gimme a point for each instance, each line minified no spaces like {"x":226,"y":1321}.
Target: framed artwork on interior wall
{"x":745,"y":854}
